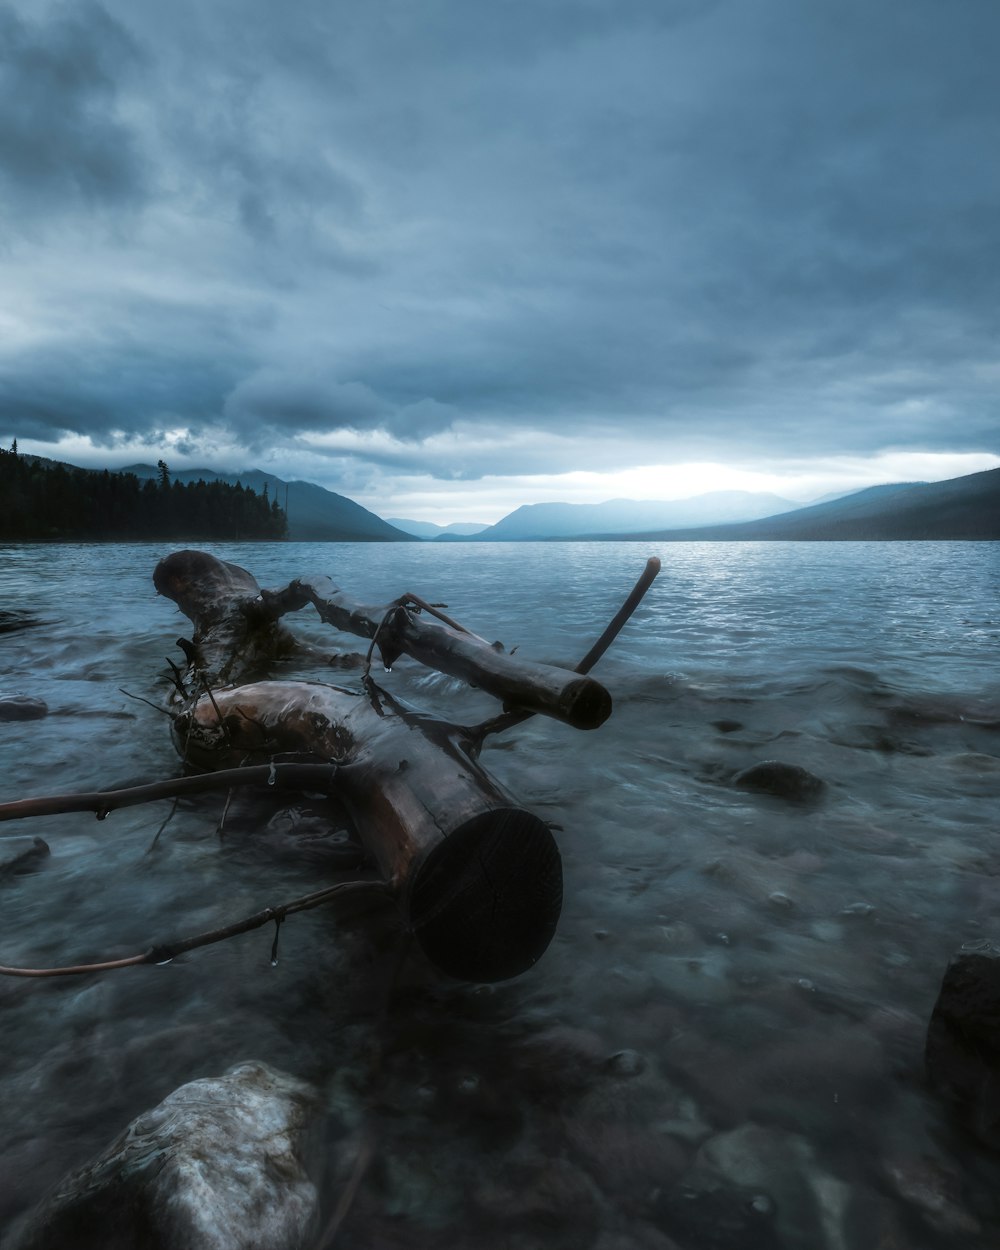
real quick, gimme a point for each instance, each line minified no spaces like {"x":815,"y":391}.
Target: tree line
{"x":44,"y":501}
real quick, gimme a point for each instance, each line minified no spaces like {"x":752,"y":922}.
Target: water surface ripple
{"x":722,"y":1047}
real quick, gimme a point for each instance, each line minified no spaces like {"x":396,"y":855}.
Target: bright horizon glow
{"x":490,"y":499}
{"x":420,"y":497}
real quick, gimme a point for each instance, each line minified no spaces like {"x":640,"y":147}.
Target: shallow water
{"x":767,"y":968}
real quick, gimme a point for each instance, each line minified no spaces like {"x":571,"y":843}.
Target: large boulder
{"x":218,"y":1165}
{"x":963,"y":1040}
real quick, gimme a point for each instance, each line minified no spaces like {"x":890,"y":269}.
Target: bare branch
{"x":286,"y":776}
{"x":163,"y":953}
{"x":508,"y":720}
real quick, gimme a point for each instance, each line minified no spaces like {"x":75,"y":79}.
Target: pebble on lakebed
{"x":218,"y":1165}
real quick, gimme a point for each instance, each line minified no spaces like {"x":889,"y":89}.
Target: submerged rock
{"x":935,"y":1191}
{"x":22,"y":707}
{"x":779,"y":1171}
{"x":962,"y":1053}
{"x":717,"y":1218}
{"x":218,"y":1165}
{"x":27,"y":859}
{"x":785,"y":781}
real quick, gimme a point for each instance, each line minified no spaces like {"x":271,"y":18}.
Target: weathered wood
{"x":237,"y":624}
{"x":235,"y":636}
{"x":398,"y":629}
{"x":102,"y":802}
{"x":478,"y":879}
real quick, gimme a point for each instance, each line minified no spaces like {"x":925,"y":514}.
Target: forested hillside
{"x":43,"y":501}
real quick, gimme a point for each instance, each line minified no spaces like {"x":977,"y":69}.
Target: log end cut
{"x":485,"y":901}
{"x":588,"y":704}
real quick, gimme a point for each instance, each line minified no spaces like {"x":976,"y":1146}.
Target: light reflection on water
{"x":772,"y":965}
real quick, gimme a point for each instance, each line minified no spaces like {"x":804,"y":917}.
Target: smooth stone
{"x":857,"y":909}
{"x":216,"y":1166}
{"x":785,"y":781}
{"x":962,"y":1052}
{"x":22,"y":707}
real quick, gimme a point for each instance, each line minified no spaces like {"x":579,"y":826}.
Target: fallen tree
{"x":477,"y":878}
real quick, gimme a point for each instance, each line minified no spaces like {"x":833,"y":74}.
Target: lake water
{"x":722,"y":1047}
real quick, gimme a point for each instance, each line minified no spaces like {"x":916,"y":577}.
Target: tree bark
{"x":238,"y":623}
{"x":478,"y":878}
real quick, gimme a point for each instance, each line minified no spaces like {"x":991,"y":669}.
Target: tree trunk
{"x":478,"y":878}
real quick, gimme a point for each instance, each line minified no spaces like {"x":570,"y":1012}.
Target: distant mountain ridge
{"x":428,"y":529}
{"x":315,"y":514}
{"x":620,"y":516}
{"x":961,"y":508}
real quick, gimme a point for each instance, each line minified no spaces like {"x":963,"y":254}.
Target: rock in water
{"x":786,"y":781}
{"x":963,"y":1040}
{"x":22,"y":707}
{"x":216,"y":1166}
{"x":25,"y":860}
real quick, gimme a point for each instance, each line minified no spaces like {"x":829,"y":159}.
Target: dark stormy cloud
{"x":451,"y":254}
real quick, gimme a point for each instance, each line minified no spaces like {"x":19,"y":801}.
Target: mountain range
{"x":314,"y":513}
{"x":427,"y":529}
{"x":960,"y":508}
{"x":621,"y":516}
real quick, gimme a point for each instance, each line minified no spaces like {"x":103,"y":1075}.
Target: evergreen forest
{"x":45,"y":501}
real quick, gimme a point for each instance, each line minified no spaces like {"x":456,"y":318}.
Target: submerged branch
{"x":285,"y":776}
{"x":165,"y":952}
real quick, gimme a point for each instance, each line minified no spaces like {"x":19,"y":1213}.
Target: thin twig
{"x":390,"y":611}
{"x":222,"y":724}
{"x":432,"y":608}
{"x":366,"y":1152}
{"x":178,"y":678}
{"x":166,"y":821}
{"x":221,"y":827}
{"x":367,"y":1142}
{"x":139,"y":699}
{"x":288,"y":776}
{"x":163,"y":953}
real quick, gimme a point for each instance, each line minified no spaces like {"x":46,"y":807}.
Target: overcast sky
{"x":451,"y":256}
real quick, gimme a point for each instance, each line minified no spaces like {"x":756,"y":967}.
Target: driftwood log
{"x":478,"y":878}
{"x":237,"y":628}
